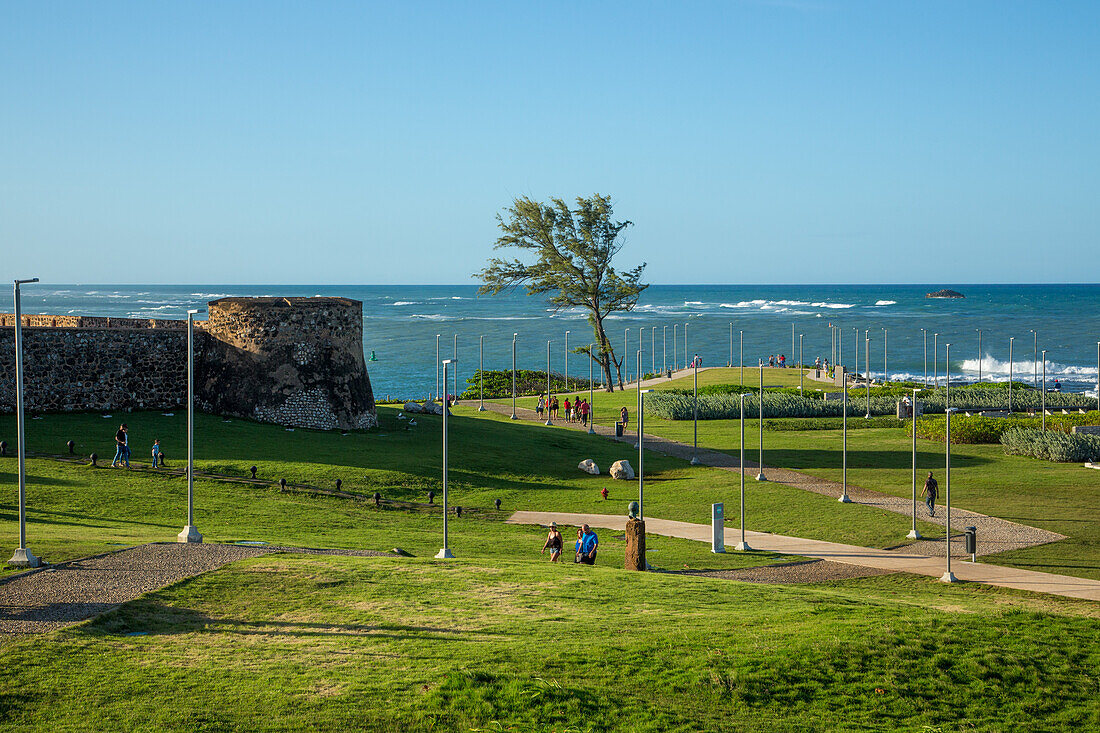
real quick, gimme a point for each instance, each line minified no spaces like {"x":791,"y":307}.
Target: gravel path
{"x":806,"y":571}
{"x":994,"y":534}
{"x":70,"y":592}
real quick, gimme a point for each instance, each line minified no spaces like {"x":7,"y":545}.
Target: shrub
{"x":498,"y":383}
{"x":828,"y":423}
{"x":976,"y":429}
{"x":1051,"y":445}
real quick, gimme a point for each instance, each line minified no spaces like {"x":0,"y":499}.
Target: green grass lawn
{"x":1063,"y":498}
{"x":298,"y":643}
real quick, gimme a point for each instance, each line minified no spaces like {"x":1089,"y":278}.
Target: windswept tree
{"x":572,"y":251}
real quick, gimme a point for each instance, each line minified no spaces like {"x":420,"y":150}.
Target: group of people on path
{"x":584,"y":549}
{"x":576,"y":410}
{"x":778,"y":361}
{"x":122,"y":449}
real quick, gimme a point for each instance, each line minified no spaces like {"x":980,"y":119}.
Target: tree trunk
{"x":607,"y":356}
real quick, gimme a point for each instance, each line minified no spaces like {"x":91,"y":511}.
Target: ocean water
{"x":402,"y":323}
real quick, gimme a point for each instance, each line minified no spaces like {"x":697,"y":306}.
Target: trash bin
{"x":970,"y":536}
{"x":669,"y":374}
{"x":618,"y":430}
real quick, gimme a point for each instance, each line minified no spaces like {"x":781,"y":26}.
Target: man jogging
{"x":931,"y":491}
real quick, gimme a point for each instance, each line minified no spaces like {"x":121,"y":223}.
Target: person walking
{"x":568,"y":407}
{"x":587,"y":544}
{"x":156,"y":453}
{"x":122,"y":451}
{"x":553,"y":543}
{"x":539,"y":406}
{"x":931,"y":491}
{"x":584,"y":413}
{"x":624,"y":417}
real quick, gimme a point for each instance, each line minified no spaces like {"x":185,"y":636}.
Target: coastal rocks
{"x":622,"y":470}
{"x":945,"y":294}
{"x":412,"y":408}
{"x":589,"y":466}
{"x":432,"y":408}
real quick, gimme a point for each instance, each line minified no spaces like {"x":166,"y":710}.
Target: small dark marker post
{"x":496,"y":502}
{"x":253,"y":470}
{"x":94,"y":457}
{"x":282,"y":484}
{"x":338,"y":483}
{"x":377,"y":499}
{"x":3,"y":447}
{"x":71,"y":445}
{"x":431,"y":497}
{"x":458,"y":511}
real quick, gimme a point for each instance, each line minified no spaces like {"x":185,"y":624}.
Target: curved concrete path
{"x":917,"y":564}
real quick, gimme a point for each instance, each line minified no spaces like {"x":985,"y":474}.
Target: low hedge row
{"x":976,"y":429}
{"x":498,"y":384}
{"x":1051,"y":445}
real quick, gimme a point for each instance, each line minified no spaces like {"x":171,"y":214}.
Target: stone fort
{"x":296,"y":362}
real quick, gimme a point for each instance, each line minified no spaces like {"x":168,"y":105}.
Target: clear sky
{"x":785,"y":141}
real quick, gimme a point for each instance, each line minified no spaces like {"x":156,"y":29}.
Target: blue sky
{"x":779,"y":142}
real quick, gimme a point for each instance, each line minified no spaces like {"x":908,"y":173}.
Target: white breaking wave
{"x":833,"y":305}
{"x":886,"y":302}
{"x":404,"y":302}
{"x":1024,"y":367}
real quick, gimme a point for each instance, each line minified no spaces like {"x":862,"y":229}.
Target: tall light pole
{"x":731,"y":344}
{"x":445,"y":553}
{"x":664,"y":348}
{"x":760,"y":421}
{"x":742,"y":545}
{"x":885,"y":351}
{"x":1010,"y":371}
{"x":867,"y":358}
{"x":437,"y":366}
{"x":481,"y":373}
{"x":832,"y":344}
{"x":855,"y":349}
{"x":626,"y":345}
{"x":695,"y":415}
{"x":924,"y":332}
{"x":638,"y":442}
{"x":653,"y":350}
{"x":1034,"y":357}
{"x":685,"y":344}
{"x":641,"y":446}
{"x":675,"y":339}
{"x":844,"y":447}
{"x":548,"y":383}
{"x":913,"y":533}
{"x":792,"y":340}
{"x":23,"y":557}
{"x":979,"y":354}
{"x":190,"y":533}
{"x":948,"y":576}
{"x":514,"y":337}
{"x":1098,"y":375}
{"x":456,"y":370}
{"x":840,"y":345}
{"x":591,"y":393}
{"x":801,"y":364}
{"x":742,"y":358}
{"x":936,"y":359}
{"x":1044,"y":389}
{"x":566,"y":361}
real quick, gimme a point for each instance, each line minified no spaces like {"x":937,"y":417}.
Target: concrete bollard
{"x":635,"y":544}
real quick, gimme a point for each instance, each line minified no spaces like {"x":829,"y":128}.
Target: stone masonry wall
{"x":76,"y":369}
{"x":291,"y":361}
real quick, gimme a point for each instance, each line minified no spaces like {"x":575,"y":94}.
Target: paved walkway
{"x":918,"y":564}
{"x":994,"y":534}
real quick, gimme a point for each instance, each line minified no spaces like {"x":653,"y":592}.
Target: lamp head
{"x":28,"y":280}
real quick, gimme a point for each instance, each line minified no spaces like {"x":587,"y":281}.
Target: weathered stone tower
{"x":291,"y":361}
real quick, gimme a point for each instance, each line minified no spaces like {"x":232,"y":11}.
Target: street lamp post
{"x":685,"y":344}
{"x":641,"y":446}
{"x":801,"y":364}
{"x":867,"y":358}
{"x":548,"y":383}
{"x":760,"y":423}
{"x":664,"y":348}
{"x":885,"y":352}
{"x":481,"y":373}
{"x":844,"y":448}
{"x":936,"y":359}
{"x":626,"y":345}
{"x":445,"y":553}
{"x":675,"y":340}
{"x":514,"y":336}
{"x":742,"y":362}
{"x":1034,"y":357}
{"x":913,"y":533}
{"x":1010,"y":371}
{"x":638,"y":442}
{"x":695,"y":414}
{"x":792,"y":340}
{"x":456,"y":372}
{"x":855,"y":349}
{"x":948,"y":576}
{"x":924,"y":332}
{"x":1044,"y":389}
{"x":653,"y":350}
{"x":437,"y":366}
{"x":1098,"y":375}
{"x":591,"y":393}
{"x":742,"y":545}
{"x":979,"y":354}
{"x":22,"y":557}
{"x":731,"y":344}
{"x":840,"y":345}
{"x":190,"y":533}
{"x":566,"y":361}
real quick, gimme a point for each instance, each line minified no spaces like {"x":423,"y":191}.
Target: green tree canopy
{"x":572,"y":251}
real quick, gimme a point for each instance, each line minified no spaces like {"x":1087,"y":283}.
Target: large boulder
{"x":622,"y":470}
{"x":432,"y":408}
{"x":413,"y":408}
{"x":589,"y":466}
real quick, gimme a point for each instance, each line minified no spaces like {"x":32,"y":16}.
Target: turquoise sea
{"x":402,"y":323}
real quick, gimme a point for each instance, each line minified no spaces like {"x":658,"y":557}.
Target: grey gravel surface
{"x":809,"y":571}
{"x":994,"y":534}
{"x":70,"y":592}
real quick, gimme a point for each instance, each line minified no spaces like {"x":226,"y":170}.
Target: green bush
{"x":976,"y":429}
{"x":1051,"y":445}
{"x":829,"y":423}
{"x":498,"y":384}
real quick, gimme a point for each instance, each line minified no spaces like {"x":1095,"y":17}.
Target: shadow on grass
{"x":808,"y":459}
